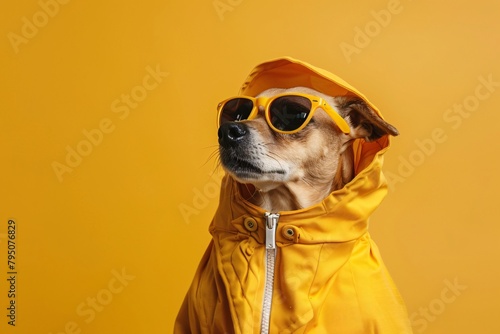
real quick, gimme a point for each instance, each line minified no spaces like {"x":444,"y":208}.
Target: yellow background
{"x":119,"y":209}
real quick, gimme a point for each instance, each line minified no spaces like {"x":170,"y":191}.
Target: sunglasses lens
{"x":288,"y":113}
{"x":237,"y":109}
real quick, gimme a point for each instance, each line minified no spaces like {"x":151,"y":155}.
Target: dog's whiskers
{"x":303,"y":179}
{"x":276,"y":157}
{"x":213,"y":154}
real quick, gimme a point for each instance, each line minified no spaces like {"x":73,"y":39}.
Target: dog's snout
{"x":231,"y":134}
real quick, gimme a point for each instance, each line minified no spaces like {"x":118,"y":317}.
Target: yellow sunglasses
{"x":285,"y":113}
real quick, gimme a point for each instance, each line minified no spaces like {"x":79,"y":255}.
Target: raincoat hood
{"x":288,"y":72}
{"x":324,"y":274}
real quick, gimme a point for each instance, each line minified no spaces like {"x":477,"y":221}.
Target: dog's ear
{"x":364,"y":121}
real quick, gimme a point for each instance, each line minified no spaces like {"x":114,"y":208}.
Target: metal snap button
{"x":289,"y":232}
{"x":250,"y":224}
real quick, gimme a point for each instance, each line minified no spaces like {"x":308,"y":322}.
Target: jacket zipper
{"x":271,"y":224}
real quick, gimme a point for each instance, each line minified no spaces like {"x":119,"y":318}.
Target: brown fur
{"x":294,"y":171}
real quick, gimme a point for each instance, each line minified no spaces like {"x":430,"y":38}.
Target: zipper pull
{"x":271,"y":224}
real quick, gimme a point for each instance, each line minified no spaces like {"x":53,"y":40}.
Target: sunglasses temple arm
{"x":339,"y":121}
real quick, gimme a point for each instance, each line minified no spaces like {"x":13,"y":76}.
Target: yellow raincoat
{"x":314,"y":270}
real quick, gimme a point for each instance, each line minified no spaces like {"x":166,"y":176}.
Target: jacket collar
{"x":341,"y":217}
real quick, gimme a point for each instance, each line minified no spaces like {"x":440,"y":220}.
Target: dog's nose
{"x":231,"y":134}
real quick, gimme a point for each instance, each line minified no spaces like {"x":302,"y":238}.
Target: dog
{"x":287,"y":172}
{"x":302,"y":153}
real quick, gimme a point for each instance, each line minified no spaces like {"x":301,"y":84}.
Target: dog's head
{"x":318,"y":157}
